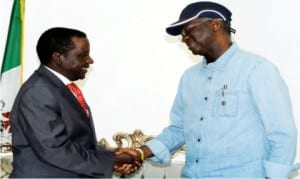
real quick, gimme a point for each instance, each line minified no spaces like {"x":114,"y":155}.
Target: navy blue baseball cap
{"x":205,"y":9}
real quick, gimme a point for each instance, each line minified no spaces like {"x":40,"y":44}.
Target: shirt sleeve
{"x":172,"y":137}
{"x":272,"y":101}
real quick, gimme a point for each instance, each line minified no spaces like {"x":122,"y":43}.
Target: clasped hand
{"x":127,"y":161}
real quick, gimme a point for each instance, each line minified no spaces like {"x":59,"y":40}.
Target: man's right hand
{"x":126,"y":163}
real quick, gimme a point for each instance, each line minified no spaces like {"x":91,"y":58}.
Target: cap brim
{"x":174,"y":30}
{"x":176,"y":27}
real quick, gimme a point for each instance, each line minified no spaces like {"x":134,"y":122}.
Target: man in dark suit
{"x":52,"y":132}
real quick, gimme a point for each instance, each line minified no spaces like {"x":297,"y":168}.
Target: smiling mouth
{"x":84,"y":69}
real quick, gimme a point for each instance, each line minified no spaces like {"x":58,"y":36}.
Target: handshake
{"x":129,"y":160}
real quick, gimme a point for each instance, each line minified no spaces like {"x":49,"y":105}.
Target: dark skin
{"x":127,"y":164}
{"x":74,"y":65}
{"x":205,"y":37}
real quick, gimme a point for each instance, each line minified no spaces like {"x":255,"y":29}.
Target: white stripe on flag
{"x":10,"y":84}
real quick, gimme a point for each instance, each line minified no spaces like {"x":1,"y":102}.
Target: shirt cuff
{"x":160,"y":151}
{"x":276,"y":170}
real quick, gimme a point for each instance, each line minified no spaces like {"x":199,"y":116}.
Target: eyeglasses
{"x":198,"y":24}
{"x":193,"y":26}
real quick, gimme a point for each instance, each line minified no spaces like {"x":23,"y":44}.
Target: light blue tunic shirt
{"x":235,"y":118}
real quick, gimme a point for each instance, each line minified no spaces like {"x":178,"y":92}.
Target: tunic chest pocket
{"x":226,"y":104}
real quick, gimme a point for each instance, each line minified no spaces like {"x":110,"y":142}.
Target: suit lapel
{"x":66,"y":93}
{"x":63,"y":89}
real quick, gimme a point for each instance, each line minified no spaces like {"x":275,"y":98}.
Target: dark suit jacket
{"x":51,"y":134}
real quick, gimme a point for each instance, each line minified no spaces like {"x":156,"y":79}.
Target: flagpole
{"x":22,"y":15}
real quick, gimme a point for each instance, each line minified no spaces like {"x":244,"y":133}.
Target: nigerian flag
{"x":11,"y":69}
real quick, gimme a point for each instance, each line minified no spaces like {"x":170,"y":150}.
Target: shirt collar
{"x":223,"y":59}
{"x":58,"y":75}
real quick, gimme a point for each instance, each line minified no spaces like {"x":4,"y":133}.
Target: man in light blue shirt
{"x":232,"y":111}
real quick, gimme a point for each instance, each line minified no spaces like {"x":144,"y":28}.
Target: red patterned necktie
{"x":74,"y":88}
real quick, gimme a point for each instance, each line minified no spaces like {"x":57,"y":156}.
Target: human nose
{"x":184,"y":38}
{"x":90,"y":60}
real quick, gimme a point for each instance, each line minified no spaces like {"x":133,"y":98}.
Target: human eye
{"x":83,"y":54}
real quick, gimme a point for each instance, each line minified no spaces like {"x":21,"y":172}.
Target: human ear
{"x":216,"y":24}
{"x":56,"y":56}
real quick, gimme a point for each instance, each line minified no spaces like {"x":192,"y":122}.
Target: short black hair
{"x":57,"y":39}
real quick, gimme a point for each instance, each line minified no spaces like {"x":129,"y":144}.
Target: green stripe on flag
{"x":11,"y":70}
{"x":13,"y":49}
